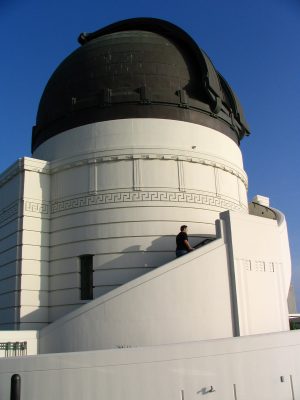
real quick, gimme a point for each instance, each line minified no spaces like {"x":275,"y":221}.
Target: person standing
{"x":182,"y":242}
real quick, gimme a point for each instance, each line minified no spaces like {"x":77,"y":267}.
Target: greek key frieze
{"x":34,"y":207}
{"x":141,"y":196}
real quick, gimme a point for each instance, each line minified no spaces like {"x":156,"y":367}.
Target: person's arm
{"x":187,"y":245}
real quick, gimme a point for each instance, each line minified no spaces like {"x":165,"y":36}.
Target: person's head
{"x":183,"y":228}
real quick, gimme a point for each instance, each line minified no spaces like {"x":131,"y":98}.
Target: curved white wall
{"x":121,"y":189}
{"x":285,"y":249}
{"x":141,"y":133}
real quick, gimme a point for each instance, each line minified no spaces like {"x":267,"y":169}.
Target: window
{"x":86,"y":277}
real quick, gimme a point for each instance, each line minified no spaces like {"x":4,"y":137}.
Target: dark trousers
{"x":180,"y":253}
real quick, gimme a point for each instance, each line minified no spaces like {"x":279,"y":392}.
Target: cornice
{"x":24,"y":164}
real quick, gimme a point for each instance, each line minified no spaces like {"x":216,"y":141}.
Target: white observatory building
{"x":136,"y":134}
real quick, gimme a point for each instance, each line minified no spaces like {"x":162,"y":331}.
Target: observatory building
{"x":136,"y":134}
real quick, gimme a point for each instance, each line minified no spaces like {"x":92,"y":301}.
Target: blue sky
{"x":254,"y":44}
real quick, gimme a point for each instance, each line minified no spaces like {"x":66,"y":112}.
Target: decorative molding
{"x":239,"y":191}
{"x":29,"y":206}
{"x":181,"y":176}
{"x":217,"y":181}
{"x":150,"y":156}
{"x":93,"y":172}
{"x":140,"y":196}
{"x":246,"y":264}
{"x":9,"y":211}
{"x":258,"y":265}
{"x":39,"y":166}
{"x":39,"y":170}
{"x":24,"y":164}
{"x":38,"y":208}
{"x":137,"y":174}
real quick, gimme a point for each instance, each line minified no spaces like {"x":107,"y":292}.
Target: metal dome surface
{"x":137,"y":68}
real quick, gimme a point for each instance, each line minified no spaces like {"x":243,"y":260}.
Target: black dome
{"x":137,"y":68}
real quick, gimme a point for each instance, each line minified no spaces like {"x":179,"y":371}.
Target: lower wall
{"x":260,"y":367}
{"x":175,"y":303}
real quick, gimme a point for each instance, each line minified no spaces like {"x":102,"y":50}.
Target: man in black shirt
{"x":182,"y":242}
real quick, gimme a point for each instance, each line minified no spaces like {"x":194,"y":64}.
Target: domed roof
{"x":137,"y":68}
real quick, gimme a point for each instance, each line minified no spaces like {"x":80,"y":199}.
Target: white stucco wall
{"x":35,"y":245}
{"x":285,"y":249}
{"x":141,"y":134}
{"x":239,"y":277}
{"x":118,"y":190}
{"x":258,"y":273}
{"x":24,"y":245}
{"x":172,"y":304}
{"x":11,"y":184}
{"x":264,"y":367}
{"x":121,"y":189}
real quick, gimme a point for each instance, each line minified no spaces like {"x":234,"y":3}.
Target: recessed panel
{"x":115,"y":175}
{"x":70,"y":182}
{"x":199,"y":177}
{"x":228,"y":185}
{"x":159,"y":174}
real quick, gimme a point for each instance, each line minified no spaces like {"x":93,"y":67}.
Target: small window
{"x":86,"y":277}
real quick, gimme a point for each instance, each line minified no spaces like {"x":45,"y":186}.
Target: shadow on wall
{"x":206,"y":390}
{"x":134,"y":262}
{"x":131,"y":264}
